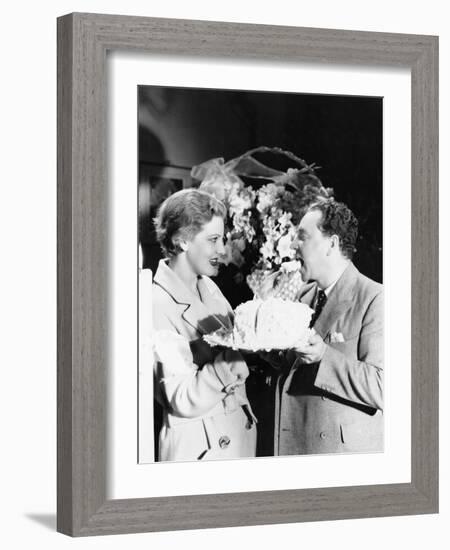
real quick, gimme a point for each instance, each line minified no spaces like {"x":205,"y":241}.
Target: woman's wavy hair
{"x":182,"y":216}
{"x":338,"y":219}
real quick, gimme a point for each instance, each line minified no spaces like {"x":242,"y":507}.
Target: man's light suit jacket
{"x":336,"y":406}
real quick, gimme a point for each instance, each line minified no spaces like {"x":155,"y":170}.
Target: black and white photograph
{"x":261,"y":260}
{"x":221,"y":282}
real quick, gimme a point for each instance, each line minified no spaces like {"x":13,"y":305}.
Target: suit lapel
{"x":339,"y":301}
{"x":308,"y":297}
{"x":333,"y":309}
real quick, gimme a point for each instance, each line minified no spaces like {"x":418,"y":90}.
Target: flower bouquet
{"x":265,"y":205}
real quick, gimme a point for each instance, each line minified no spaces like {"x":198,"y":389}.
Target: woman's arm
{"x":189,"y":390}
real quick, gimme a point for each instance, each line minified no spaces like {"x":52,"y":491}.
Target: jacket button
{"x":224,"y":441}
{"x":323,"y":435}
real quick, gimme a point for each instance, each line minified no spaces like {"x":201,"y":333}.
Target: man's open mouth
{"x":214,"y":262}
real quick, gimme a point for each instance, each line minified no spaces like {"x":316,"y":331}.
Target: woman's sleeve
{"x":189,"y":391}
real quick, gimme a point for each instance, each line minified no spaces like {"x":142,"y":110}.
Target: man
{"x":330,"y":395}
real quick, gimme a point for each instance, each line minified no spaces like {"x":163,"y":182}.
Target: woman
{"x":202,"y":389}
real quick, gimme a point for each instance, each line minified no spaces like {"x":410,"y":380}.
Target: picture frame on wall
{"x":90,"y":390}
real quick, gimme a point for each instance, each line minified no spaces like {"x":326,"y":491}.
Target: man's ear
{"x":335,"y":242}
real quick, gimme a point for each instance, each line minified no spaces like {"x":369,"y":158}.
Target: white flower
{"x":285,"y":219}
{"x":284,"y":247}
{"x":242,"y":227}
{"x":241,"y":200}
{"x":267,"y":250}
{"x":267,"y":196}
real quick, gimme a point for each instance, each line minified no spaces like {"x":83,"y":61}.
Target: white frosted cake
{"x":271,"y":324}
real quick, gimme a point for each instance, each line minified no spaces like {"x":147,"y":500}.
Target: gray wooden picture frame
{"x":83,"y":42}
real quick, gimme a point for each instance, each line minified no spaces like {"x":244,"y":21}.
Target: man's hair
{"x":182,"y":215}
{"x":338,"y":219}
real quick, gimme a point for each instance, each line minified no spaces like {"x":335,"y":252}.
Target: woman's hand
{"x":238,"y":366}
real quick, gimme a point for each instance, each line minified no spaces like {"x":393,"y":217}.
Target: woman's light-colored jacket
{"x":206,"y":414}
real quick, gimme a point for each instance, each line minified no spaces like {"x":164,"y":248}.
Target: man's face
{"x":206,"y":247}
{"x":313,"y":246}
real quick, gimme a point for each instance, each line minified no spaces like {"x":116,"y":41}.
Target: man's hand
{"x":313,"y":351}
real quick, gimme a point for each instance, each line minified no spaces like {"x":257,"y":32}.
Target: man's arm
{"x":360,"y":379}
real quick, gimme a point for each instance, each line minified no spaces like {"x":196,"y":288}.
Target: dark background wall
{"x":182,"y":127}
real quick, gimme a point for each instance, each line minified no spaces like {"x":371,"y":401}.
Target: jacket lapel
{"x":215,"y":306}
{"x":196,"y":315}
{"x":339,"y":301}
{"x":200,"y":314}
{"x":309,"y":294}
{"x":205,"y":315}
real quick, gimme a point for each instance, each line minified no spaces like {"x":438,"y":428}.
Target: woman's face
{"x":204,"y":250}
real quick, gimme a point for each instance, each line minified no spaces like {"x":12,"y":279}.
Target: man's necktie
{"x":321,"y":299}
